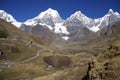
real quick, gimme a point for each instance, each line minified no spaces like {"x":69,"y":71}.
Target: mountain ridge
{"x":54,"y":13}
{"x":51,"y":19}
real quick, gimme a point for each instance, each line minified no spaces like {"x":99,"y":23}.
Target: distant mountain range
{"x":76,"y":26}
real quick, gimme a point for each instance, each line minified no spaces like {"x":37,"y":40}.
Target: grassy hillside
{"x":16,"y":44}
{"x":19,"y":47}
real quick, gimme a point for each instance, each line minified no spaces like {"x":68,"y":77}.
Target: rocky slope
{"x":106,"y":66}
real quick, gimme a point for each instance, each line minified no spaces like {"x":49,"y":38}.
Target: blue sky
{"x":22,"y":10}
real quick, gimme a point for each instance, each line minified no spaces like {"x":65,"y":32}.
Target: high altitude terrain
{"x":49,"y":47}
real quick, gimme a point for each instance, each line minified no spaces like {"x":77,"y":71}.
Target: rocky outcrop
{"x":107,"y":65}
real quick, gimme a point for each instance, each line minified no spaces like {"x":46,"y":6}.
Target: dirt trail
{"x":8,"y":64}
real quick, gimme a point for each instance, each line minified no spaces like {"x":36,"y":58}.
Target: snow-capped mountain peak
{"x":79,"y":14}
{"x":9,"y":18}
{"x":110,"y":11}
{"x":4,"y":15}
{"x":49,"y":12}
{"x":79,"y":17}
{"x":109,"y":18}
{"x":49,"y":17}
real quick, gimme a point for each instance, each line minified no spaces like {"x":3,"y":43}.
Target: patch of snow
{"x":49,"y":27}
{"x":95,"y":28}
{"x":96,"y":20}
{"x":34,"y":23}
{"x":17,"y":24}
{"x":30,"y":22}
{"x":65,"y":38}
{"x":59,"y":28}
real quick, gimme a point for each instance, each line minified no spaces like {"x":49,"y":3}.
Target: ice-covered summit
{"x":50,"y":17}
{"x":9,"y":18}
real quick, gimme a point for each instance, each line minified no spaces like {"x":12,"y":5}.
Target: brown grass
{"x":28,"y":70}
{"x":57,"y":61}
{"x":107,"y":65}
